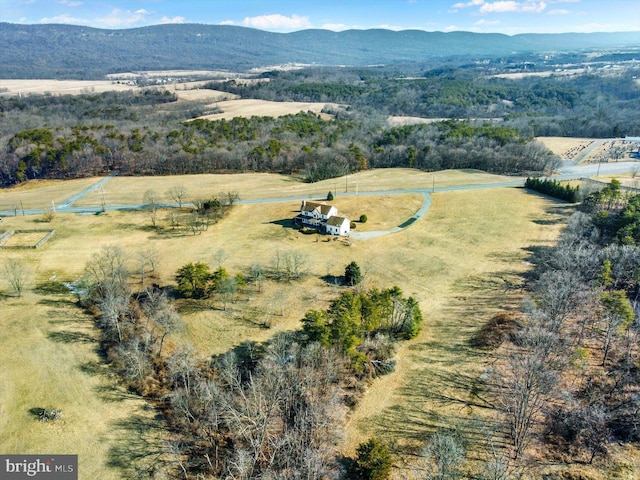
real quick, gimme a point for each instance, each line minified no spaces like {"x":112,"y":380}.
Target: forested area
{"x":149,"y":132}
{"x":589,"y":105}
{"x":567,"y":377}
{"x":142,"y":134}
{"x":262,"y":410}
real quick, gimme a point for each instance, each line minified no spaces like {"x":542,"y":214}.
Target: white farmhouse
{"x":324,"y":218}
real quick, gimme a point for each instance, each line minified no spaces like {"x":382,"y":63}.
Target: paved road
{"x":566,"y":172}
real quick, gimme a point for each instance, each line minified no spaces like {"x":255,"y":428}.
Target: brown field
{"x":49,"y":360}
{"x":605,"y":150}
{"x":40,"y":193}
{"x":24,"y":239}
{"x":555,"y":73}
{"x":130,"y":190}
{"x":202,"y":95}
{"x":261,"y":108}
{"x":564,"y":145}
{"x":396,"y":121}
{"x":452,"y":261}
{"x":60,"y":87}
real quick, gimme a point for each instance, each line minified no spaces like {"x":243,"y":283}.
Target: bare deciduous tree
{"x":17,"y":273}
{"x":178,"y":194}
{"x":148,"y":260}
{"x":444,"y":454}
{"x":523,"y":387}
{"x":151,"y":204}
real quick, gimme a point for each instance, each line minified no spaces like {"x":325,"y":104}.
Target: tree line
{"x":303,"y":144}
{"x":567,"y":375}
{"x":554,"y":188}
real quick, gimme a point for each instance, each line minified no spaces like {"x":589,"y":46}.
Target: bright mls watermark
{"x":50,"y":467}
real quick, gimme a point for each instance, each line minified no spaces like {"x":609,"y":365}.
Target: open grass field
{"x":555,"y":73}
{"x":566,"y":147}
{"x":202,"y":95}
{"x":60,"y":87}
{"x":49,"y":360}
{"x":122,"y":190}
{"x":452,"y":261}
{"x":249,"y":107}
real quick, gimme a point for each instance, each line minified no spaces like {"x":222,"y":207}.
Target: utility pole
{"x":103,"y":202}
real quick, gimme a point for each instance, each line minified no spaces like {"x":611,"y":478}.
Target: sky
{"x":483,"y":16}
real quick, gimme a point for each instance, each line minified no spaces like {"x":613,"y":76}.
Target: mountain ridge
{"x":71,"y":51}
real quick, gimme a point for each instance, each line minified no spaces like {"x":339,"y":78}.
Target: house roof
{"x":311,"y":206}
{"x":336,"y":221}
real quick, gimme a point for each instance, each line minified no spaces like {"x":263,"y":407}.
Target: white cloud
{"x":70,"y":3}
{"x":166,"y":20}
{"x":277,"y":22}
{"x":510,"y":6}
{"x":472,"y":3}
{"x":483,"y":21}
{"x":68,"y":19}
{"x":227,"y":22}
{"x":559,"y":11}
{"x":118,"y":18}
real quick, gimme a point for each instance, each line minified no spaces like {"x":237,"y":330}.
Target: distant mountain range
{"x":68,"y":51}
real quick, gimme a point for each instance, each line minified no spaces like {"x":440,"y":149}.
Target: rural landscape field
{"x":228,"y":252}
{"x":446,"y":274}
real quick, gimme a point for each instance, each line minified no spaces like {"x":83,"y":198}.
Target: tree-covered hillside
{"x":66,"y":51}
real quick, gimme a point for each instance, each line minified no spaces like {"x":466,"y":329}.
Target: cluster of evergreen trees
{"x":553,"y":188}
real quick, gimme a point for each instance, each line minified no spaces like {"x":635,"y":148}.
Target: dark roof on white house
{"x":336,"y":221}
{"x":311,"y":206}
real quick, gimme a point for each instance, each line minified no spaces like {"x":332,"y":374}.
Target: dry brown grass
{"x":555,"y":73}
{"x":60,"y":87}
{"x":605,"y":151}
{"x":452,"y":261}
{"x":25,"y":238}
{"x":562,"y":145}
{"x":40,"y":193}
{"x":202,"y":95}
{"x":49,"y":360}
{"x":261,"y":108}
{"x":130,"y":190}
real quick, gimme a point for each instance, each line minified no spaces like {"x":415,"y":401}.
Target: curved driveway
{"x":568,"y":172}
